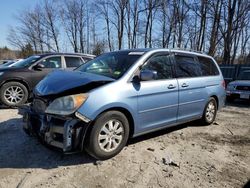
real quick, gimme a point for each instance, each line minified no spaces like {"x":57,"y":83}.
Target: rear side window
{"x":186,"y":67}
{"x":161,"y":64}
{"x":73,"y":61}
{"x":208,"y":68}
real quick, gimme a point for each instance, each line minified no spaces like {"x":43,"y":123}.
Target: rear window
{"x":208,"y":68}
{"x":187,"y":67}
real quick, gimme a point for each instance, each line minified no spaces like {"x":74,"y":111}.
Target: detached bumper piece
{"x":66,"y":133}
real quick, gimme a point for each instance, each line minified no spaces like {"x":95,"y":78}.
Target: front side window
{"x":186,"y":67}
{"x":113,"y":64}
{"x":161,"y":64}
{"x":73,"y":61}
{"x":52,"y":62}
{"x":208,"y":67}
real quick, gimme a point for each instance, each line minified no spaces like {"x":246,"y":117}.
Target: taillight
{"x":223,"y":83}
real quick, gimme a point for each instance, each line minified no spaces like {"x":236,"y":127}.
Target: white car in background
{"x":240,"y":88}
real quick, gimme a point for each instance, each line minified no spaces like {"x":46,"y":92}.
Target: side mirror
{"x":146,"y":75}
{"x":38,"y":66}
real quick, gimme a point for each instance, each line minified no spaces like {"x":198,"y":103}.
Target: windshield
{"x":27,"y":62}
{"x":113,"y":64}
{"x":244,"y":76}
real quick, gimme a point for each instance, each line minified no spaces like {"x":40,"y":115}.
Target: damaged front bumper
{"x":66,"y":133}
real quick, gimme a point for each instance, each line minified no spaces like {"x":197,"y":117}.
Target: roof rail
{"x":188,"y":49}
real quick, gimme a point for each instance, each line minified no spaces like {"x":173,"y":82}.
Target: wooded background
{"x":220,"y":28}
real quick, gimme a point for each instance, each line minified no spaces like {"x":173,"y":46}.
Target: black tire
{"x":21,"y":89}
{"x":206,"y":119}
{"x":94,"y":147}
{"x":230,"y":99}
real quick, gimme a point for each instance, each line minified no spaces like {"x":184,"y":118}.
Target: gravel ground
{"x":189,"y":155}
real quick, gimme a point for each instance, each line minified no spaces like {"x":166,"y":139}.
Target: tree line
{"x":220,"y":28}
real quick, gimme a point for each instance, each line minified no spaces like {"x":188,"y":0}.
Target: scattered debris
{"x":169,"y":162}
{"x":151,"y":149}
{"x":162,"y":148}
{"x":130,"y":180}
{"x":215,"y":123}
{"x":22,"y":181}
{"x":210,"y":169}
{"x":98,"y":163}
{"x":230,"y":131}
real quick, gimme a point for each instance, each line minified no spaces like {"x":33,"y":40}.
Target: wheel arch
{"x":128,"y":115}
{"x":216,"y":99}
{"x":17,"y":80}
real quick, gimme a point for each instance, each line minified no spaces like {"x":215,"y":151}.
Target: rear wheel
{"x":13,"y":94}
{"x":108,"y":135}
{"x":210,"y":112}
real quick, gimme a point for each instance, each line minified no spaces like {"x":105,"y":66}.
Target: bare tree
{"x":50,"y":22}
{"x":74,"y":19}
{"x":103,"y":6}
{"x":118,"y":8}
{"x":218,"y":27}
{"x":215,"y":14}
{"x":150,"y":10}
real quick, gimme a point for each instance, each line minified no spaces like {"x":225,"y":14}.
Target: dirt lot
{"x":185,"y":156}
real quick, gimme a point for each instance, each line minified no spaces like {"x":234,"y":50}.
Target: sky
{"x":8,"y":10}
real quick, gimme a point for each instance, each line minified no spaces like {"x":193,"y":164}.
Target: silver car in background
{"x":240,"y":88}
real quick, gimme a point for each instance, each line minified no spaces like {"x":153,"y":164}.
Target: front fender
{"x":93,"y":112}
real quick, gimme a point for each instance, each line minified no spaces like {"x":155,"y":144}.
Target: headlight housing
{"x":66,"y":105}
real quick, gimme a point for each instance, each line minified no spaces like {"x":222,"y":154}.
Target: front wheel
{"x":108,"y":135}
{"x":210,"y":112}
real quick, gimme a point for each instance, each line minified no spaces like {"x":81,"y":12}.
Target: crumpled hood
{"x":240,"y":83}
{"x":61,"y":81}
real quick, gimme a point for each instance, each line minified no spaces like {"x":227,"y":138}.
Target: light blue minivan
{"x":124,"y":94}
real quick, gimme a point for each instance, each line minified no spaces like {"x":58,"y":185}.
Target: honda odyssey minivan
{"x":124,"y":94}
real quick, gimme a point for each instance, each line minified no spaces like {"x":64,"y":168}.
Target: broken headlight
{"x":66,"y":105}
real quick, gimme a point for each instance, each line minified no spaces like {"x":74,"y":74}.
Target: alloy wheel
{"x":14,"y":94}
{"x":111,"y":135}
{"x":210,"y":111}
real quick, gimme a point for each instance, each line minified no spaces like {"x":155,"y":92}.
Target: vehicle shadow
{"x":19,"y":150}
{"x":164,"y":131}
{"x":239,"y":103}
{"x":5,"y":107}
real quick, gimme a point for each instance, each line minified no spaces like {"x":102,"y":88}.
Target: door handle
{"x":184,"y":85}
{"x":171,"y":86}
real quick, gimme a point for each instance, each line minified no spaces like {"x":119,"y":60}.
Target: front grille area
{"x":244,"y":88}
{"x":39,"y":106}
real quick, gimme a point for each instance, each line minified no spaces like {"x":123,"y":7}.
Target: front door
{"x":158,"y":98}
{"x":49,"y":64}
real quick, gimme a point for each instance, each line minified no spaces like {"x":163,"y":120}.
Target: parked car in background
{"x":124,"y":94}
{"x":240,"y":88}
{"x":10,"y":63}
{"x":3,"y":61}
{"x":18,"y":81}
